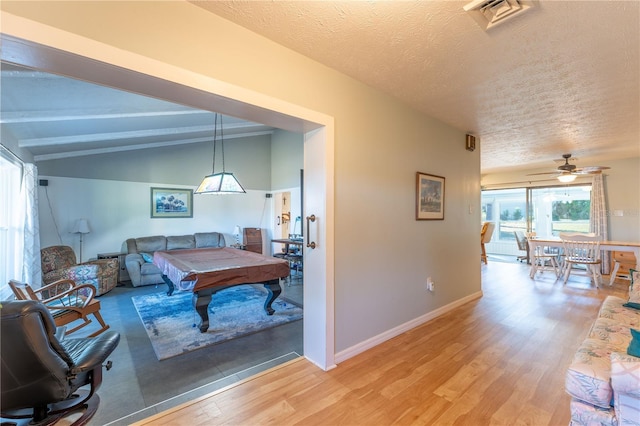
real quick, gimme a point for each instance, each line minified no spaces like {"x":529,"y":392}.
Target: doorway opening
{"x":140,"y":75}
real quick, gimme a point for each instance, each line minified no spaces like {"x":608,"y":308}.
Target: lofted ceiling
{"x":564,"y":76}
{"x":57,"y":117}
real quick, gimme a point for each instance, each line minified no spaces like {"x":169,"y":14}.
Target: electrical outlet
{"x":430,"y":284}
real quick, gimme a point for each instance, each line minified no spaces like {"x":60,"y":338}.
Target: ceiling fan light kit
{"x":567,"y":173}
{"x":567,"y":177}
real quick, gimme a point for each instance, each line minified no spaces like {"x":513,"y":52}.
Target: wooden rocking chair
{"x":67,"y":302}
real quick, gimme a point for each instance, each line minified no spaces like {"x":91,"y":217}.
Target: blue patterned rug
{"x":171,"y":321}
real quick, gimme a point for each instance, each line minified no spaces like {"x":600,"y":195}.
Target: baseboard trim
{"x":396,"y":331}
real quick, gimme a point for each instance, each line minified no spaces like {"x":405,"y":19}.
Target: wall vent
{"x":489,"y":13}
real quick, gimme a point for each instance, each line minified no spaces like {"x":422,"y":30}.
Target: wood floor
{"x":498,"y":360}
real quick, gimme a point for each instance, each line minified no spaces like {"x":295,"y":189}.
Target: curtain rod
{"x":12,"y":157}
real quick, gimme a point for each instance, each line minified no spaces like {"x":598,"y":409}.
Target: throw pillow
{"x":147,"y":257}
{"x":634,"y":290}
{"x":634,"y":345}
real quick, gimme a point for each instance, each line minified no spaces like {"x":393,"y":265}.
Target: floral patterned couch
{"x":603,"y":379}
{"x":59,"y":262}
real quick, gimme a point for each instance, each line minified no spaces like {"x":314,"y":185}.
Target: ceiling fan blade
{"x":590,"y":170}
{"x":544,"y":173}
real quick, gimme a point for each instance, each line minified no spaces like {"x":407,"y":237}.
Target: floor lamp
{"x":81,"y":227}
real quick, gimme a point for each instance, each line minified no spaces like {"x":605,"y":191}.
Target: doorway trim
{"x":35,"y":45}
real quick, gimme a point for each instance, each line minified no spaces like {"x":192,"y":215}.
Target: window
{"x":11,"y":222}
{"x":547,"y":211}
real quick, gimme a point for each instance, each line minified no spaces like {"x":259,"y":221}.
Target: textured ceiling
{"x":562,"y":77}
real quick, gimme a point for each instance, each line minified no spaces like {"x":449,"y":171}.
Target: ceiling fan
{"x":568,"y":172}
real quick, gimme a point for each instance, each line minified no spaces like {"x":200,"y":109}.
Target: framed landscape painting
{"x":429,"y":197}
{"x":171,"y":202}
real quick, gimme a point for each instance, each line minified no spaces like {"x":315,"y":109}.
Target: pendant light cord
{"x":222,"y":142}
{"x":215,"y":142}
{"x":215,"y":129}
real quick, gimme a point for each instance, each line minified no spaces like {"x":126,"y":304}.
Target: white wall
{"x":382,"y":254}
{"x":119,"y":210}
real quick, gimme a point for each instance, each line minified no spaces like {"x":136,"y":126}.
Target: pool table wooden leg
{"x":274,"y":289}
{"x":201,"y":300}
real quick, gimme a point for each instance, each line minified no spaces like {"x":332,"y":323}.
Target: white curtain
{"x":31,"y":268}
{"x":599,"y":217}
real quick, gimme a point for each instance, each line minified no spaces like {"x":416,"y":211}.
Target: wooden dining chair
{"x":485,"y":238}
{"x":582,"y":249}
{"x":67,"y":302}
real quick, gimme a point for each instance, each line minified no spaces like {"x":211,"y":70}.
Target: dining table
{"x":288,"y":242}
{"x":634,"y":247}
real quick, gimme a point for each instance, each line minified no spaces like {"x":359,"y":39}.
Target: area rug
{"x":171,"y":321}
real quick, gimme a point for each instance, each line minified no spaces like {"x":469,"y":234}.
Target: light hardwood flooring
{"x":500,"y":359}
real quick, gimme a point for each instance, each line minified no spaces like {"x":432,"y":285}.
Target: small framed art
{"x":429,"y":197}
{"x":171,"y":203}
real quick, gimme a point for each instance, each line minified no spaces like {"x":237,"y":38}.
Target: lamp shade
{"x":220,"y":183}
{"x":81,"y":227}
{"x":236,"y":230}
{"x":567,"y":177}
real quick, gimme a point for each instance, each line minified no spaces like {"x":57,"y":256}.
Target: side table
{"x":123,"y":275}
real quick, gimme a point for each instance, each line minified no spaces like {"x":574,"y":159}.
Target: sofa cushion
{"x":151,"y":244}
{"x":625,"y":380}
{"x":611,"y":331}
{"x":588,"y":376}
{"x":209,"y":239}
{"x":634,"y":290}
{"x":149,"y":269}
{"x":181,"y":242}
{"x":587,"y":414}
{"x":613,"y":308}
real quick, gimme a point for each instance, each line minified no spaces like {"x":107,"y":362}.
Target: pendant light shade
{"x":219,"y":183}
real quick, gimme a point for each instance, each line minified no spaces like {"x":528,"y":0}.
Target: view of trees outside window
{"x":551,"y":210}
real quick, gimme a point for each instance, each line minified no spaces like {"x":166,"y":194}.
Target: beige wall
{"x":382,"y":254}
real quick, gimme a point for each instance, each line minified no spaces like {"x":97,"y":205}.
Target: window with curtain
{"x":11,"y":222}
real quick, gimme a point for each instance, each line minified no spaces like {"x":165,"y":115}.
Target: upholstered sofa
{"x":603,"y":379}
{"x":59,"y":262}
{"x":139,"y":259}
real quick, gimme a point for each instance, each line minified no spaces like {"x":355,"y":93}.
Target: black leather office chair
{"x":42,"y":370}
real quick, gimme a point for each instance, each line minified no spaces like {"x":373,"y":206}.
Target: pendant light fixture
{"x":219,"y":183}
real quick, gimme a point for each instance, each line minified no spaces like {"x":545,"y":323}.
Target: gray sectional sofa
{"x":139,"y":259}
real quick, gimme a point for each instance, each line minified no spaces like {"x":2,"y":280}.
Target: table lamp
{"x":236,"y":232}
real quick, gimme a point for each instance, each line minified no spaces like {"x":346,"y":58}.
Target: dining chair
{"x":582,"y":249}
{"x":523,"y":245}
{"x":485,"y":238}
{"x":67,"y":301}
{"x":543,"y":258}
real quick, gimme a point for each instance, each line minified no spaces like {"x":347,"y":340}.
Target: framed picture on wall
{"x":171,"y":202}
{"x":429,"y":197}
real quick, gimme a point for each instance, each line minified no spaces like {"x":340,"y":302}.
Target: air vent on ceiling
{"x":489,"y":13}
